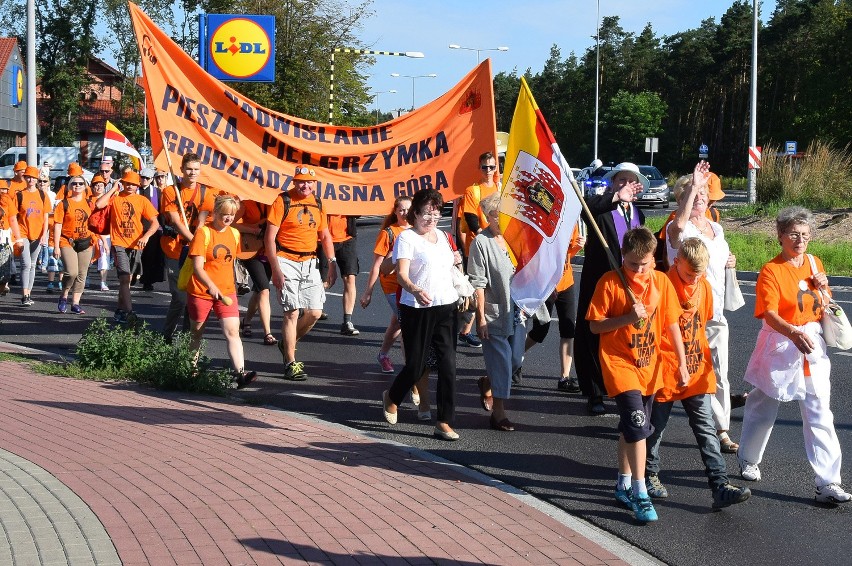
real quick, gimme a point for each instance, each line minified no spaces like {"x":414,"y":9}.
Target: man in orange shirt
{"x":18,"y":183}
{"x":128,"y":235}
{"x":197,"y":200}
{"x":343,"y":230}
{"x":630,"y":356}
{"x":294,"y":224}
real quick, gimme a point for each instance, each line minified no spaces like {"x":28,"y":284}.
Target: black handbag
{"x":81,"y":244}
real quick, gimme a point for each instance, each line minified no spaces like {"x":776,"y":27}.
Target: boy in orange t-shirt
{"x":630,"y":358}
{"x":128,"y":235}
{"x":696,"y":299}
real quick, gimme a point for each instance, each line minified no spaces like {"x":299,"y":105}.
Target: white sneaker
{"x":104,"y":287}
{"x":749,"y":471}
{"x":832,"y":493}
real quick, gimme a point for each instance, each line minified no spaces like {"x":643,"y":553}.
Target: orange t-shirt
{"x":629,"y":356}
{"x":693,"y":325}
{"x":298,"y":232}
{"x":253,"y":212}
{"x":74,"y":221}
{"x":125,"y":224}
{"x":219,"y":250}
{"x":567,"y":271}
{"x":192,"y":206}
{"x":470,"y":205}
{"x":7,"y":209}
{"x":337,"y":228}
{"x":17,"y":186}
{"x":384,"y":246}
{"x":788,"y":291}
{"x":32,"y":213}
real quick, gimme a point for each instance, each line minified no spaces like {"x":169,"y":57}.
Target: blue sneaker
{"x":624,"y":496}
{"x":470,"y":339}
{"x":644,"y":510}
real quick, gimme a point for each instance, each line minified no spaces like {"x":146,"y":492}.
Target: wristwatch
{"x":332,"y":260}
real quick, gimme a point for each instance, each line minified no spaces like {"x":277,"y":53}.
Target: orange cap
{"x":31,"y":171}
{"x":75,"y":170}
{"x":131,"y":178}
{"x":98,"y":179}
{"x":714,"y":188}
{"x":20,"y":166}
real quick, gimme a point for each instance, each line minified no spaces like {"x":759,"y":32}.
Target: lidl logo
{"x":240,"y":47}
{"x":17,"y":89}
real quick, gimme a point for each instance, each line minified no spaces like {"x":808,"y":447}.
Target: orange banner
{"x":251,"y":151}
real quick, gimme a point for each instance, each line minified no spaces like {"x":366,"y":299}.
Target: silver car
{"x":658,"y":191}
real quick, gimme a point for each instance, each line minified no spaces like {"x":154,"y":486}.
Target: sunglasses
{"x":77,"y":184}
{"x":488,"y":167}
{"x":44,"y":180}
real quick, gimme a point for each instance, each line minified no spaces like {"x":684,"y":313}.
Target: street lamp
{"x":597,"y":72}
{"x":376,"y":99}
{"x":414,"y":78}
{"x":412,"y":54}
{"x":478,"y":50}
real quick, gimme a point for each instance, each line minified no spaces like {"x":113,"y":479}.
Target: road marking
{"x":843,"y":353}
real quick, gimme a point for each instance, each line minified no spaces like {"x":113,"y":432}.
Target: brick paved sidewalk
{"x":182,"y":479}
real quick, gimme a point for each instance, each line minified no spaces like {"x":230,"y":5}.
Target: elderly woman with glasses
{"x":789,"y":362}
{"x":72,"y":242}
{"x":427,"y":309}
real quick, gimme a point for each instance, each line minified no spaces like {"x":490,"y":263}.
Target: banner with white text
{"x":251,"y":151}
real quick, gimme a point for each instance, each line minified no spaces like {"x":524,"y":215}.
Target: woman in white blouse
{"x":427,"y":309}
{"x":691,"y":221}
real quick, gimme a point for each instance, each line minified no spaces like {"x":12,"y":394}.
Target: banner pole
{"x":600,"y":236}
{"x":176,"y":182}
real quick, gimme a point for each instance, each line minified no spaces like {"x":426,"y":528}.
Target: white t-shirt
{"x":429,"y":269}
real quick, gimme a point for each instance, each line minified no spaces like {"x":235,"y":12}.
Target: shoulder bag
{"x":836,"y":330}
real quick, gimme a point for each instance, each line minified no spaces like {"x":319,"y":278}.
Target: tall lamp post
{"x":376,"y":99}
{"x":412,"y":54}
{"x":752,"y":121}
{"x":414,"y":78}
{"x":478,"y":50}
{"x":597,"y":72}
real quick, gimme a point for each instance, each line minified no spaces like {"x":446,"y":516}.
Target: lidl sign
{"x":238,"y":47}
{"x":17,"y":90}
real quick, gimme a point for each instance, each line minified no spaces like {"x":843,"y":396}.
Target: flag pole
{"x":600,"y":236}
{"x":176,"y":182}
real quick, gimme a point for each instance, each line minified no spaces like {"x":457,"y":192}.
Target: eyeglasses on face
{"x":433,"y":215}
{"x":797,"y":236}
{"x":44,"y":180}
{"x":488,"y":167}
{"x":77,"y":184}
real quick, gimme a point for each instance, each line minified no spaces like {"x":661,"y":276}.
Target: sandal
{"x":245,"y":329}
{"x":485,"y":393}
{"x":269,"y":340}
{"x":728,"y":446}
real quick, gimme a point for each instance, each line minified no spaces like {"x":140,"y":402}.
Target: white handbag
{"x":733,"y":296}
{"x":836,"y":330}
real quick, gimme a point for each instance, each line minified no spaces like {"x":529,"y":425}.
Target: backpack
{"x":388,"y":267}
{"x":285,"y":196}
{"x":661,"y":254}
{"x":20,"y":195}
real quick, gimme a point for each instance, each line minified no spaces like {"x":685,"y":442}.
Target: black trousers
{"x":436,"y":326}
{"x":153,"y":262}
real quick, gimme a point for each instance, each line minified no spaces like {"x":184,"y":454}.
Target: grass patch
{"x":108,"y":352}
{"x":754,"y":250}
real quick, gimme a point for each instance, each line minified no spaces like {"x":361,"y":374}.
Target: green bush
{"x":819,"y":180}
{"x":138,"y":354}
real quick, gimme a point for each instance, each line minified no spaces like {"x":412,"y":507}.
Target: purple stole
{"x":620,"y":222}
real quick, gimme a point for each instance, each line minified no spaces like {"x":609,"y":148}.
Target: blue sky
{"x":528,"y":29}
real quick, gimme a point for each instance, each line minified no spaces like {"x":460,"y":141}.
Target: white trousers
{"x":717,"y":337}
{"x":821,"y":444}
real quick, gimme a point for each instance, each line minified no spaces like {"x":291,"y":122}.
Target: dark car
{"x":658,"y":191}
{"x":593,"y":182}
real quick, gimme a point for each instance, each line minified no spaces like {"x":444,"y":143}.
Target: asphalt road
{"x":558,"y":453}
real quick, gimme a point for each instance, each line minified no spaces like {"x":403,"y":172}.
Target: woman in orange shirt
{"x":33,"y":207}
{"x":394,"y":223}
{"x":213,"y":250}
{"x":790,"y":362}
{"x":72,"y":241}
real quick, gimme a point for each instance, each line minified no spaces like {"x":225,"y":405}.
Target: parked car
{"x":658,"y":191}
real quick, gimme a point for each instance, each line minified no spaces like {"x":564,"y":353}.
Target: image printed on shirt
{"x":643,"y":342}
{"x":126,"y":214}
{"x":804,"y":289}
{"x":81,"y":220}
{"x":305,"y":213}
{"x":690,"y":332}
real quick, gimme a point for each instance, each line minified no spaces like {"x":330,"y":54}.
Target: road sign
{"x":754,"y":157}
{"x":703,"y":151}
{"x":652,"y":145}
{"x":791,"y":148}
